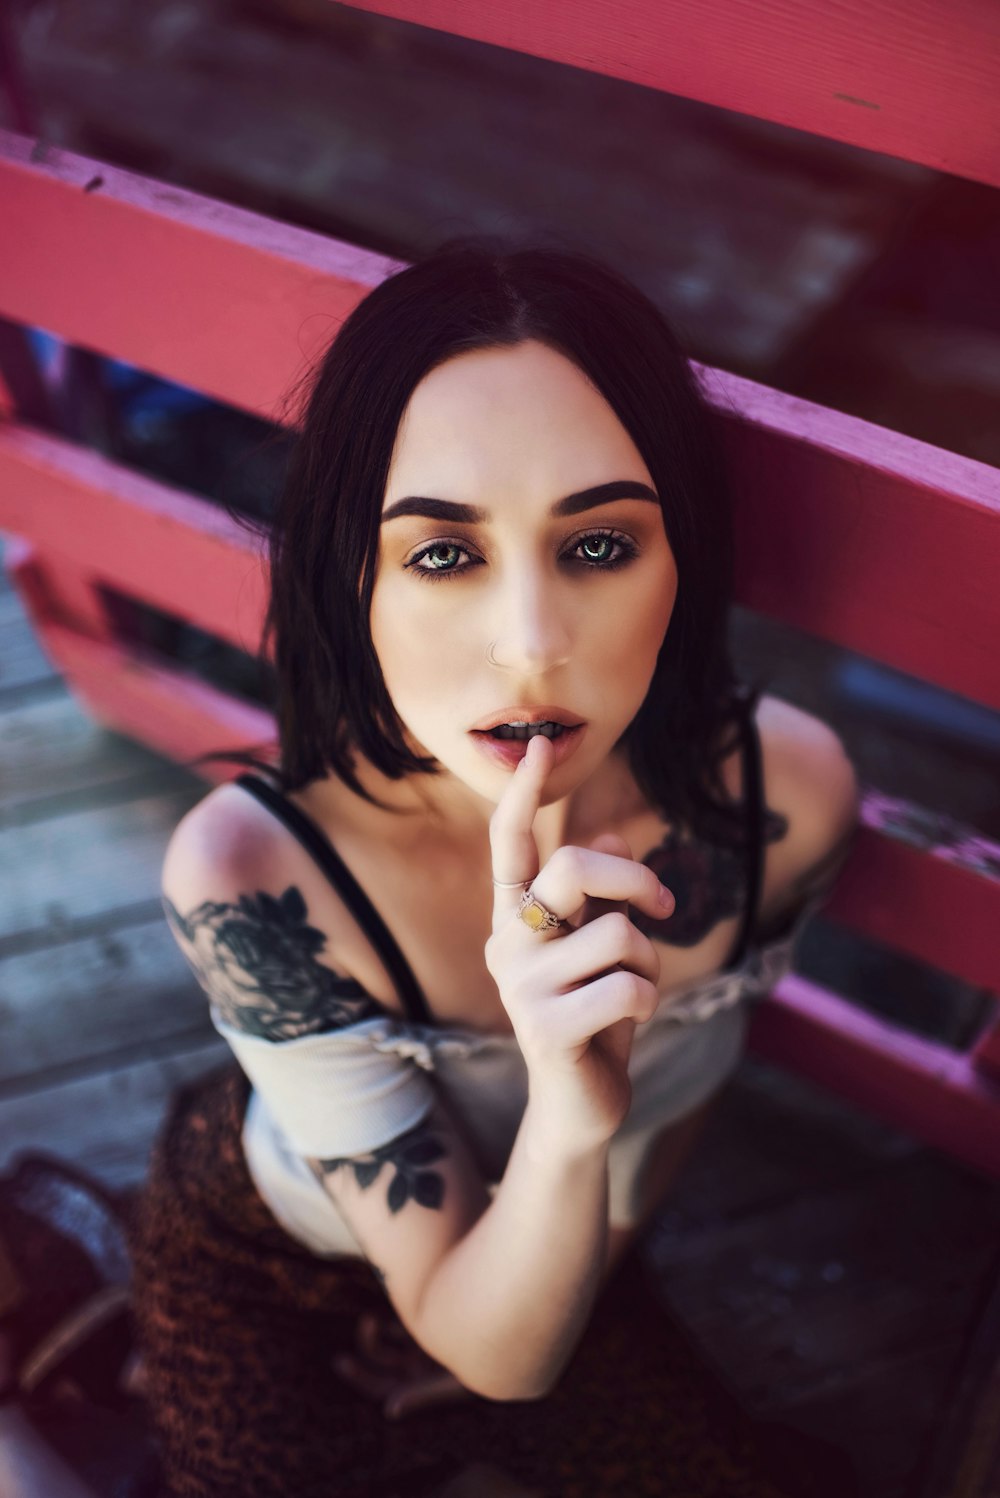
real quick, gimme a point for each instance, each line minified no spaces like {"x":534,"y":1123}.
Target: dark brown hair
{"x":472,"y":293}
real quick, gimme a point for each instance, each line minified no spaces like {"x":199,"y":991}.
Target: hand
{"x":574,"y":995}
{"x":389,"y":1366}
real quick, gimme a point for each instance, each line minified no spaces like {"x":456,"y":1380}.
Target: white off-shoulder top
{"x":365,"y":1081}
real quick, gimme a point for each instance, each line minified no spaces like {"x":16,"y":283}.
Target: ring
{"x":534,"y":914}
{"x":517,"y":884}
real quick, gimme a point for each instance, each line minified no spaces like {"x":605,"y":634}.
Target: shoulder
{"x":811,"y":785}
{"x":226,"y":836}
{"x":257,"y":921}
{"x":806,"y":766}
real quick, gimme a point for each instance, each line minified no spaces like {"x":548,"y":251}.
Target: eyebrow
{"x":573,"y":504}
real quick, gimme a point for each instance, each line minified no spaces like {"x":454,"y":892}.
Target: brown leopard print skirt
{"x":238,"y":1325}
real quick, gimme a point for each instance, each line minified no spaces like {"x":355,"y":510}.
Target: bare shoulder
{"x":226,"y":835}
{"x":810,"y":783}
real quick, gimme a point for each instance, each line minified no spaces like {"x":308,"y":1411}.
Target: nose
{"x":533,"y":633}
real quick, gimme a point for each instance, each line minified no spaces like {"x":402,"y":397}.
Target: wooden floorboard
{"x":66,"y":1005}
{"x":833,"y":1291}
{"x":51,"y":750}
{"x":23,"y":663}
{"x":85,"y":865}
{"x":104,"y":1122}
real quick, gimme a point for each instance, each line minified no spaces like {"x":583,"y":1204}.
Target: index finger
{"x":512,"y":839}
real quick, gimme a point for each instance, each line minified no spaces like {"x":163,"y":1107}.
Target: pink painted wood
{"x":256,"y":298}
{"x":129,"y":689}
{"x":917,"y":81}
{"x":941,"y":1096}
{"x":157,"y":543}
{"x":841,"y":528}
{"x":837,"y":492}
{"x":874,"y":541}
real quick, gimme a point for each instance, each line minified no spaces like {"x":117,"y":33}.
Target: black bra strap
{"x":316,"y":842}
{"x":753,"y":801}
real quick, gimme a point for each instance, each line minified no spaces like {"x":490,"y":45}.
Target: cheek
{"x":417,"y":654}
{"x":641,"y":625}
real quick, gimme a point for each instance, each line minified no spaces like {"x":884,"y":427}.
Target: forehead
{"x":523,"y":417}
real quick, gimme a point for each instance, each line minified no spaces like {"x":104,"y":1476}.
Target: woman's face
{"x":575,"y":605}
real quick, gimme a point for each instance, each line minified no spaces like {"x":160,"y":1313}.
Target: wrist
{"x":551,"y":1142}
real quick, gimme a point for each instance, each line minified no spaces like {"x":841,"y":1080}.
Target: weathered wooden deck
{"x":833,"y":1271}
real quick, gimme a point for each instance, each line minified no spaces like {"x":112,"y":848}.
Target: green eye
{"x":600,"y":542}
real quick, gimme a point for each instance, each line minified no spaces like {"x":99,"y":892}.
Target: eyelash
{"x":628,"y":552}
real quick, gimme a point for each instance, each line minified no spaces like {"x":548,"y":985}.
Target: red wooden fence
{"x":863,"y":537}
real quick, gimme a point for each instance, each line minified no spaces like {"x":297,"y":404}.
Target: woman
{"x":508,"y":720}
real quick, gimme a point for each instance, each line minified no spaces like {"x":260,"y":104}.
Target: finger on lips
{"x":512,"y":839}
{"x":611,"y":874}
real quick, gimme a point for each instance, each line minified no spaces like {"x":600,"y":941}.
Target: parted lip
{"x":547,"y":713}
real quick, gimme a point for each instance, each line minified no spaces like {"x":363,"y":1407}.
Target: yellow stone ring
{"x":534,"y":914}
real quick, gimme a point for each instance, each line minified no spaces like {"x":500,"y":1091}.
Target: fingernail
{"x":666,"y":898}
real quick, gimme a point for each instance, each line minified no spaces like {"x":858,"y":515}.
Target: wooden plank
{"x":104,"y":1123}
{"x":842,"y":529}
{"x":792,"y":220}
{"x":172,"y":710}
{"x":924,"y":885}
{"x":791,"y":1319}
{"x":775,"y":1138}
{"x":74,"y":1002}
{"x":51,"y":749}
{"x":965,"y":1459}
{"x":878,"y":1415}
{"x":23,"y":662}
{"x":937,"y":1094}
{"x":257,"y":298}
{"x":171,"y":549}
{"x":84,"y":866}
{"x":919,"y":83}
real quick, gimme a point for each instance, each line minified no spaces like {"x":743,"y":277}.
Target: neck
{"x":446,"y":810}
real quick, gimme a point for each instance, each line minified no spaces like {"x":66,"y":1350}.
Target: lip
{"x":547,"y":713}
{"x":510,"y":752}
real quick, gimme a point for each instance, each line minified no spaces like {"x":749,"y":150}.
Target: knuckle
{"x":619,"y":928}
{"x":622,"y":984}
{"x":568,"y":861}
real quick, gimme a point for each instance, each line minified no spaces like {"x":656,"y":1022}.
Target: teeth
{"x":527,"y":730}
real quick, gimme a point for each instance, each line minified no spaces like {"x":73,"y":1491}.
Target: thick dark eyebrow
{"x":573,"y":504}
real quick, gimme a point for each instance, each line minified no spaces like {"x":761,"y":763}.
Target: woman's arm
{"x":496,"y":1292}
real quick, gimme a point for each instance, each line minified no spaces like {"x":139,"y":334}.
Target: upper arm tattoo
{"x":409,"y":1156}
{"x":257,"y":961}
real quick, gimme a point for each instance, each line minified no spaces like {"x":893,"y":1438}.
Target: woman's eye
{"x":596,"y":552}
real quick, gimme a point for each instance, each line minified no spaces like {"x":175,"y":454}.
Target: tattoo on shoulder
{"x":708,"y":882}
{"x":257,"y":961}
{"x":408,"y":1157}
